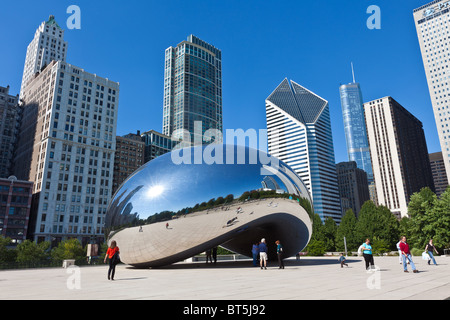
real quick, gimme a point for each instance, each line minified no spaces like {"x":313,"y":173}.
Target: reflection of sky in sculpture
{"x":160,"y":185}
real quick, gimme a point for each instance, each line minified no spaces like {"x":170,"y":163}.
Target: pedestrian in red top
{"x":113,"y":254}
{"x":406,"y":255}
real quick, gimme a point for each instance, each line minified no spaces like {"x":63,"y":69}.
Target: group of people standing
{"x":405,"y":256}
{"x":211,"y":254}
{"x":260,"y":249}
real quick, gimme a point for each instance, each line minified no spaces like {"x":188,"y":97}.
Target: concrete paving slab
{"x":310,"y":278}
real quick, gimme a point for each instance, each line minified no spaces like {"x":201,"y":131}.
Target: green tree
{"x":30,"y":251}
{"x":229,"y":198}
{"x":316,"y":248}
{"x":380,"y":246}
{"x":389,"y":229}
{"x":244,"y":196}
{"x":347,"y":229}
{"x":6,"y":254}
{"x":317,"y":228}
{"x":420,"y":210}
{"x":329,"y":233}
{"x":367,"y":221}
{"x":219,"y":201}
{"x":377,"y":223}
{"x":404,"y":226}
{"x":439,"y":227}
{"x":316,"y":245}
{"x":69,"y":249}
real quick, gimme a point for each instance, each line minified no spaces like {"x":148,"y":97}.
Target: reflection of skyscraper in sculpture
{"x":119,"y":207}
{"x":158,"y":192}
{"x":355,"y":130}
{"x":270,"y":183}
{"x":299,"y":134}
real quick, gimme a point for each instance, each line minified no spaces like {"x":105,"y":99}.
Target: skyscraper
{"x":432,"y":22}
{"x":156,"y":144}
{"x":15,"y":198}
{"x":66,"y":143}
{"x":355,"y":127}
{"x":193,"y":90}
{"x":10,"y":115}
{"x":66,"y":147}
{"x":48,"y":44}
{"x":353,"y":186}
{"x":399,"y":154}
{"x":299,"y":134}
{"x":129,"y":156}
{"x":439,"y":174}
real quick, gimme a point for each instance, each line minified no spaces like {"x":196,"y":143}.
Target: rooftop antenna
{"x":353,"y":73}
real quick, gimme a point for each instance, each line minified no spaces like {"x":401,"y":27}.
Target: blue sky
{"x":262,"y":42}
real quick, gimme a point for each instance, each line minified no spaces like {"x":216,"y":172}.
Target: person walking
{"x":367,"y":254}
{"x":113,"y":254}
{"x":430,"y":248}
{"x":342,"y":260}
{"x":263,"y":254}
{"x":406,"y":254}
{"x":280,"y":254}
{"x":255,"y":252}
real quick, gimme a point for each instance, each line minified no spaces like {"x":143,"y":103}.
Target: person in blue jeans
{"x":255,"y":252}
{"x":407,"y":256}
{"x":430,"y":248}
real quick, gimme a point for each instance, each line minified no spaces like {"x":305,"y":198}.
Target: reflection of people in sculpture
{"x":230,"y":222}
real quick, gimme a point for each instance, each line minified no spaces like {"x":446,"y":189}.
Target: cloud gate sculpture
{"x":193,"y":199}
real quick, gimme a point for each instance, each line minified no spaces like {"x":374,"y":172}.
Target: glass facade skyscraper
{"x":355,"y":127}
{"x":193,"y":91}
{"x":299,"y":134}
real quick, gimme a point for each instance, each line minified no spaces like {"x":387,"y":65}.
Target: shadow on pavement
{"x":302,"y":262}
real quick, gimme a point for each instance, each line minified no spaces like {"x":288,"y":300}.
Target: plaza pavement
{"x":310,"y":278}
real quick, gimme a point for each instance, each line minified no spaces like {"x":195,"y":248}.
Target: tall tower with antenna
{"x":355,"y":129}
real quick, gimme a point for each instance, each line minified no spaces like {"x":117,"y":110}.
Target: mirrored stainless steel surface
{"x":185,"y":202}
